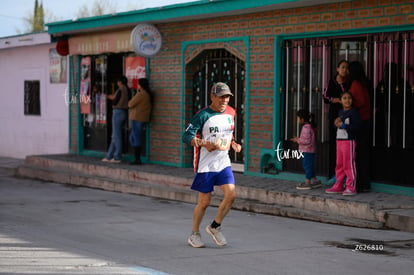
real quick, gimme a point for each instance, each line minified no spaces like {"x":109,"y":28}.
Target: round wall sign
{"x":146,"y":40}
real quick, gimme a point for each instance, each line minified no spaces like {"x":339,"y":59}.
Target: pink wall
{"x":27,"y":58}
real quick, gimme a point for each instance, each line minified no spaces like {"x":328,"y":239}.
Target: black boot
{"x":137,"y":155}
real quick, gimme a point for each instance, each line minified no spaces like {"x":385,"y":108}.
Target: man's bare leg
{"x":202,"y":204}
{"x":229,"y":192}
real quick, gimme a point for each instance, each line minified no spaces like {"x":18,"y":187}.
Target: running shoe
{"x":115,"y":161}
{"x":195,"y":240}
{"x":216,"y":234}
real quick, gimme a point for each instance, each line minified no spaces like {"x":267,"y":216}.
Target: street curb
{"x":119,"y":179}
{"x":178,"y":194}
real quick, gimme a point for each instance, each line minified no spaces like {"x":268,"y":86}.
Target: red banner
{"x":85,"y":93}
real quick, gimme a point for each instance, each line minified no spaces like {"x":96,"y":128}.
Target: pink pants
{"x":345,"y":163}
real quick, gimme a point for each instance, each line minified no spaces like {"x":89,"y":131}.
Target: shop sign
{"x":146,"y":40}
{"x":115,"y":42}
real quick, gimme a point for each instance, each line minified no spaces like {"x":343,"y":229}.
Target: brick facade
{"x":166,"y":69}
{"x":262,"y":27}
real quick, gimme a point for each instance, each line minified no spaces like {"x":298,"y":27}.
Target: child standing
{"x":348,"y":124}
{"x":307,"y":146}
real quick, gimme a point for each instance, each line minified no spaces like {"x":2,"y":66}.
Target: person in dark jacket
{"x":119,"y":117}
{"x":332,"y":96}
{"x":140,"y":107}
{"x":359,"y":86}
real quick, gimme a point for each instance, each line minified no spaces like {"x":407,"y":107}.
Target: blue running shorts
{"x":205,"y":182}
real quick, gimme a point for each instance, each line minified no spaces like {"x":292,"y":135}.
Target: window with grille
{"x":389,"y":65}
{"x":32,"y":97}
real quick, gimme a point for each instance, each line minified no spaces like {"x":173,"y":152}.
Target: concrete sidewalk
{"x":255,"y":194}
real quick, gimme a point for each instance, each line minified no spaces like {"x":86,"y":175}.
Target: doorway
{"x":388,"y":59}
{"x":219,"y":65}
{"x":97,"y":122}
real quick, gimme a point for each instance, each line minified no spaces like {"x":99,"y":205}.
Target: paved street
{"x":48,"y":228}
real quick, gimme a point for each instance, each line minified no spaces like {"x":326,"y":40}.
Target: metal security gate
{"x":306,"y":72}
{"x":389,"y":64}
{"x":219,"y":65}
{"x":393,"y":112}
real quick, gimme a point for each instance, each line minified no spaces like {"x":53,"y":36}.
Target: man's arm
{"x":191,"y":135}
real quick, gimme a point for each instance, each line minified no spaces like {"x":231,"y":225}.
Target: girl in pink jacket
{"x":307,"y":144}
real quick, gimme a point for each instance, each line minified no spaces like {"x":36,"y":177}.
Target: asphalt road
{"x":48,"y":228}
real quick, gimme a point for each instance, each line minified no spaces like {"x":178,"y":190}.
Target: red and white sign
{"x":134,"y":70}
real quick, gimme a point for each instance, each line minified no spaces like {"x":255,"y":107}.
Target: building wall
{"x":20,"y":134}
{"x":261,"y":28}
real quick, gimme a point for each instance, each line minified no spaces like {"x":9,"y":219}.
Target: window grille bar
{"x":322,"y":90}
{"x":374,"y":113}
{"x":405,"y":92}
{"x":310,"y":77}
{"x":287,"y":93}
{"x":298,"y":88}
{"x":206,"y":91}
{"x":389,"y":95}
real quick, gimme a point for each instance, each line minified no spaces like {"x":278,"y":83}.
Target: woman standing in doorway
{"x":140,"y":111}
{"x":119,"y":117}
{"x":359,"y":86}
{"x":332,"y":96}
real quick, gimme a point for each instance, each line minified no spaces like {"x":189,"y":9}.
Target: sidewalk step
{"x":275,"y":198}
{"x":155,"y":190}
{"x":317,"y":216}
{"x":67,"y":176}
{"x":106,"y":170}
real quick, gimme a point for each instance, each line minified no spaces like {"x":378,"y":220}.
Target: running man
{"x":211,"y":134}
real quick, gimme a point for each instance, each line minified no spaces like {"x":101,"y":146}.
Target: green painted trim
{"x":90,"y":153}
{"x":278,"y":99}
{"x":79,"y":115}
{"x":392,"y":189}
{"x":246,"y":41}
{"x":184,"y":45}
{"x":190,"y":10}
{"x":69,"y":108}
{"x":147,"y":126}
